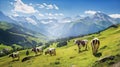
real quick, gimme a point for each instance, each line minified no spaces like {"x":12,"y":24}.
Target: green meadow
{"x":68,"y":56}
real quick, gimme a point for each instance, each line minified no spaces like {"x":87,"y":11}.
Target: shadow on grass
{"x":38,"y":55}
{"x":103,"y":47}
{"x":27,"y":58}
{"x":98,"y":54}
{"x":15,"y":60}
{"x":82,"y":51}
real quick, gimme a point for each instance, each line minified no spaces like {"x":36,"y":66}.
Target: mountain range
{"x":14,"y":34}
{"x":67,"y":27}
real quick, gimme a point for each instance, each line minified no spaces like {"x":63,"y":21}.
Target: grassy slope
{"x":4,"y":46}
{"x":109,"y":38}
{"x":13,"y":31}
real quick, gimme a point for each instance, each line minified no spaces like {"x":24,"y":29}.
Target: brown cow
{"x":37,"y":49}
{"x":95,"y":43}
{"x":81,"y":43}
{"x":15,"y":55}
{"x":50,"y":51}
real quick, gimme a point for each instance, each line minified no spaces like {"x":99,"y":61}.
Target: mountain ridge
{"x":14,"y":34}
{"x":75,"y":27}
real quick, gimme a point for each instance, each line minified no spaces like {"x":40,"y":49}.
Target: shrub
{"x":4,"y":52}
{"x":63,"y":43}
{"x":46,"y":45}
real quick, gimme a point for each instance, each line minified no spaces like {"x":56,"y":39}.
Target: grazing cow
{"x":15,"y":55}
{"x":37,"y":49}
{"x":81,"y":43}
{"x":50,"y":51}
{"x":95,"y":43}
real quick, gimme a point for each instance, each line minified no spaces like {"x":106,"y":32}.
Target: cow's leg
{"x":98,"y":44}
{"x":85,"y":46}
{"x":42,"y":51}
{"x":13,"y":58}
{"x":93,"y":48}
{"x":18,"y":57}
{"x":96,"y":50}
{"x":36,"y":53}
{"x":79,"y":49}
{"x":54,"y":52}
{"x":50,"y":53}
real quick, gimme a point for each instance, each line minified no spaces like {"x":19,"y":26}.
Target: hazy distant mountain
{"x":86,"y":25}
{"x":66,"y":27}
{"x":3,"y":17}
{"x":31,"y":23}
{"x":14,"y":34}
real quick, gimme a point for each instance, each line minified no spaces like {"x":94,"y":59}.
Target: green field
{"x":68,"y":56}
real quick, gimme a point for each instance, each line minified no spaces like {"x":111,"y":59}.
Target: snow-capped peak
{"x":101,"y":16}
{"x":30,"y":20}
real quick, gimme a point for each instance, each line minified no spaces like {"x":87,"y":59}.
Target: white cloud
{"x":48,"y":6}
{"x":115,"y":15}
{"x":56,"y":7}
{"x":49,"y":14}
{"x":46,"y":22}
{"x":61,"y":14}
{"x":91,"y":12}
{"x":41,"y":15}
{"x":66,"y":20}
{"x":31,"y":20}
{"x":30,"y":4}
{"x":11,"y":3}
{"x":41,"y":6}
{"x":14,"y":13}
{"x":52,"y":17}
{"x":54,"y":14}
{"x":19,"y":6}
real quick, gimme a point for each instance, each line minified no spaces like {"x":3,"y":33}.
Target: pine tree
{"x":27,"y":52}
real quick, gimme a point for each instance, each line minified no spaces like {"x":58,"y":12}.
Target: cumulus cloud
{"x":66,"y":20}
{"x":46,"y":21}
{"x":14,"y":13}
{"x":19,"y":6}
{"x":11,"y":3}
{"x":51,"y":15}
{"x":48,"y":6}
{"x":115,"y":15}
{"x":30,"y":4}
{"x":54,"y":14}
{"x":56,"y":7}
{"x":41,"y":15}
{"x":41,"y":6}
{"x":59,"y":14}
{"x":90,"y":12}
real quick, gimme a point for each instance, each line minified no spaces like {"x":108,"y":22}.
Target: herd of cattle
{"x":95,"y":43}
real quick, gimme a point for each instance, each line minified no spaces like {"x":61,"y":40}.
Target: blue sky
{"x":58,"y":8}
